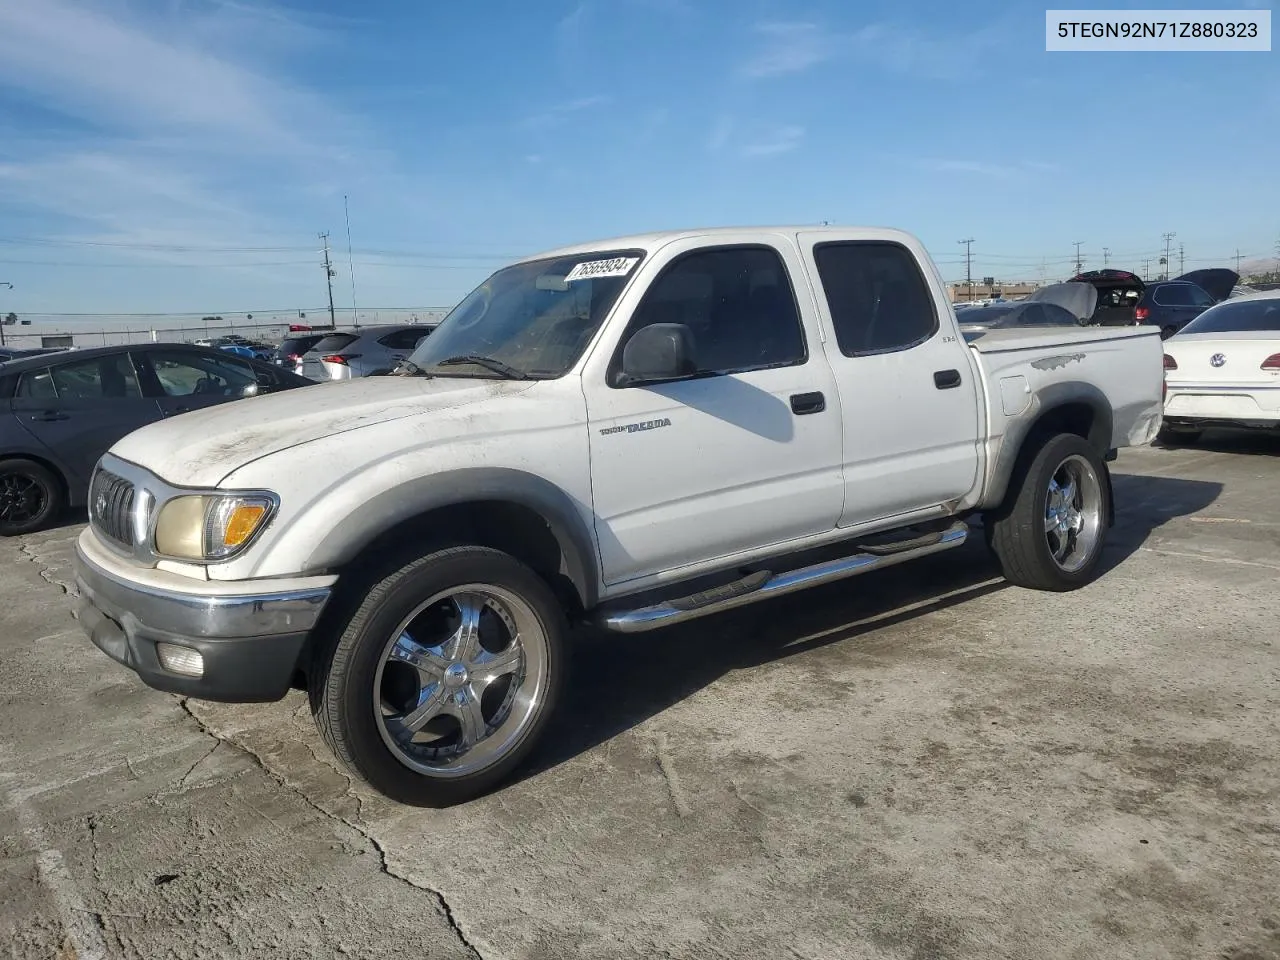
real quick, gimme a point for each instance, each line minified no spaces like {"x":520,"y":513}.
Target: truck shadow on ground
{"x":619,"y":681}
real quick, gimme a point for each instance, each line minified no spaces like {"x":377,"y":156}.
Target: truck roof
{"x":652,"y":241}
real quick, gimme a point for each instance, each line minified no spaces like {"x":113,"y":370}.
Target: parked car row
{"x":61,"y":411}
{"x":1124,"y":298}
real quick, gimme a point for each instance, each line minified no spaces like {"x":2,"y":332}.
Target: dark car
{"x":1057,"y":305}
{"x":21,"y":353}
{"x":60,"y":413}
{"x":290,"y":352}
{"x":1118,"y":294}
{"x":1171,"y":305}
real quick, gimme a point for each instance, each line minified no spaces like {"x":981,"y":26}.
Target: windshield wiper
{"x":489,"y":363}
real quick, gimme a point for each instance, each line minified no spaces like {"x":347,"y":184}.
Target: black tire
{"x":1017,"y":531}
{"x":31,"y":497}
{"x":1177,"y":436}
{"x":341,"y":683}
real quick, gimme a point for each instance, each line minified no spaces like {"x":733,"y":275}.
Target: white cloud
{"x":781,"y":140}
{"x":720,"y":133}
{"x":790,"y":47}
{"x":796,"y":46}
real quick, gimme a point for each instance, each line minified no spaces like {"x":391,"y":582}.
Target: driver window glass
{"x":737,"y":302}
{"x":186,"y":375}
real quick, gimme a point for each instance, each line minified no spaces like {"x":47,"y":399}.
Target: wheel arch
{"x":510,"y":510}
{"x":1074,"y":407}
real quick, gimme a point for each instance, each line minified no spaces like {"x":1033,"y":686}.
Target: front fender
{"x":419,"y":495}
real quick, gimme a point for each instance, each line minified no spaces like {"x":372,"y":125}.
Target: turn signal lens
{"x":1141,"y":313}
{"x":1170,"y":363}
{"x":1272,"y":362}
{"x":243,"y":521}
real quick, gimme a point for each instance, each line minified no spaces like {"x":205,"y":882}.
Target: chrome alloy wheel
{"x":1073,"y":513}
{"x":461,"y":680}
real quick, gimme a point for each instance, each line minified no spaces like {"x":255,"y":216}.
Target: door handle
{"x":946,"y":379}
{"x":51,"y":415}
{"x":802,"y":403}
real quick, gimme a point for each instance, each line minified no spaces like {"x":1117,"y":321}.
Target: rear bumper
{"x":1229,"y":405}
{"x":249,"y":643}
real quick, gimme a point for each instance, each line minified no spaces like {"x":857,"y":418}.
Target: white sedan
{"x":1223,"y":368}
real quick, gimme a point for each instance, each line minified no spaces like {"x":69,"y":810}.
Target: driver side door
{"x":185,"y":380}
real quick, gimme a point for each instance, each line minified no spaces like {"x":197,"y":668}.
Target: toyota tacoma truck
{"x":631,"y":433}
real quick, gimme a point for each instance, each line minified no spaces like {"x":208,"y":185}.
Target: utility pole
{"x":351,"y":267}
{"x":1106,"y":256}
{"x":1182,"y":259}
{"x":1146,"y":269}
{"x":6,"y":283}
{"x":328,"y":276}
{"x":1079,"y":262}
{"x":968,"y":268}
{"x":1168,"y":237}
{"x":1237,"y":259}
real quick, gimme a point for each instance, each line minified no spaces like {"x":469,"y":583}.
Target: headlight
{"x":209,"y":527}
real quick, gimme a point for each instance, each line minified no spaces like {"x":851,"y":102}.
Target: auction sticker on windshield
{"x":615,"y":267}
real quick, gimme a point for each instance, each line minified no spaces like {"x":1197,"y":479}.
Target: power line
{"x":1106,"y":256}
{"x":1079,"y":262}
{"x":1167,"y":237}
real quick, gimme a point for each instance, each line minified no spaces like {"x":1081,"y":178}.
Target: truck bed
{"x":1114,"y":375}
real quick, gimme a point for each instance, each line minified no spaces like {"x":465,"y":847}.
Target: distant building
{"x":960,"y":292}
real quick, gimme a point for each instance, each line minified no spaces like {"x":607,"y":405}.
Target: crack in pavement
{"x":45,"y":570}
{"x":363,"y":831}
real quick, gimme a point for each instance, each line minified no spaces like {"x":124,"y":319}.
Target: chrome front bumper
{"x":250,"y":636}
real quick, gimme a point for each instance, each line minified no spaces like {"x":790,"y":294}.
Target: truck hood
{"x":200,"y":448}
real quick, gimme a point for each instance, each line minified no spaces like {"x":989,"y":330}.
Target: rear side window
{"x":1174,"y":295}
{"x":1199,"y":298}
{"x":878,"y":298}
{"x":296,"y":346}
{"x":404,"y":339}
{"x":334,"y":342}
{"x":36,"y":385}
{"x":99,"y":378}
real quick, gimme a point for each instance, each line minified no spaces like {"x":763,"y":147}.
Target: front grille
{"x":111,"y":507}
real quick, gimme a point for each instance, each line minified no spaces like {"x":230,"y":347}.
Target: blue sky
{"x":183,"y":155}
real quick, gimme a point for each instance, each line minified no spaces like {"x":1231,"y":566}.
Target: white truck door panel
{"x":692,"y":470}
{"x":908,"y":388}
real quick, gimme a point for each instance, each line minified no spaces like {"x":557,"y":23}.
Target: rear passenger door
{"x":79,"y":409}
{"x":908,"y":398}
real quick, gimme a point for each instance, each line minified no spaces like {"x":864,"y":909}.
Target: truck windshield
{"x":527,"y":321}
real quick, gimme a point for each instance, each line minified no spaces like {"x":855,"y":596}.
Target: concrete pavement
{"x":919,"y":763}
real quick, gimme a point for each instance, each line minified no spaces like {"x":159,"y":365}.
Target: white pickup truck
{"x":632,"y":433}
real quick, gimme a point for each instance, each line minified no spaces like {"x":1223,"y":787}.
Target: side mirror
{"x":658,"y":352}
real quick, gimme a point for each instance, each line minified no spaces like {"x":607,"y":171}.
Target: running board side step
{"x":763,"y":585}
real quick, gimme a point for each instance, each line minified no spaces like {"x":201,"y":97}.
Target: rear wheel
{"x":1051,"y":530}
{"x":30,"y":497}
{"x":444,"y":677}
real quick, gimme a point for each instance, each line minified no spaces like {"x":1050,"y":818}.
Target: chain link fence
{"x":84,"y":334}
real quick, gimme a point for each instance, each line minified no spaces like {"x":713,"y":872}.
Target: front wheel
{"x":30,"y":497}
{"x":444,"y":677}
{"x":1051,"y":530}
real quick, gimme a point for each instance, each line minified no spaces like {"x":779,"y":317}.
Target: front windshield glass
{"x":527,"y":321}
{"x":1243,"y":316}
